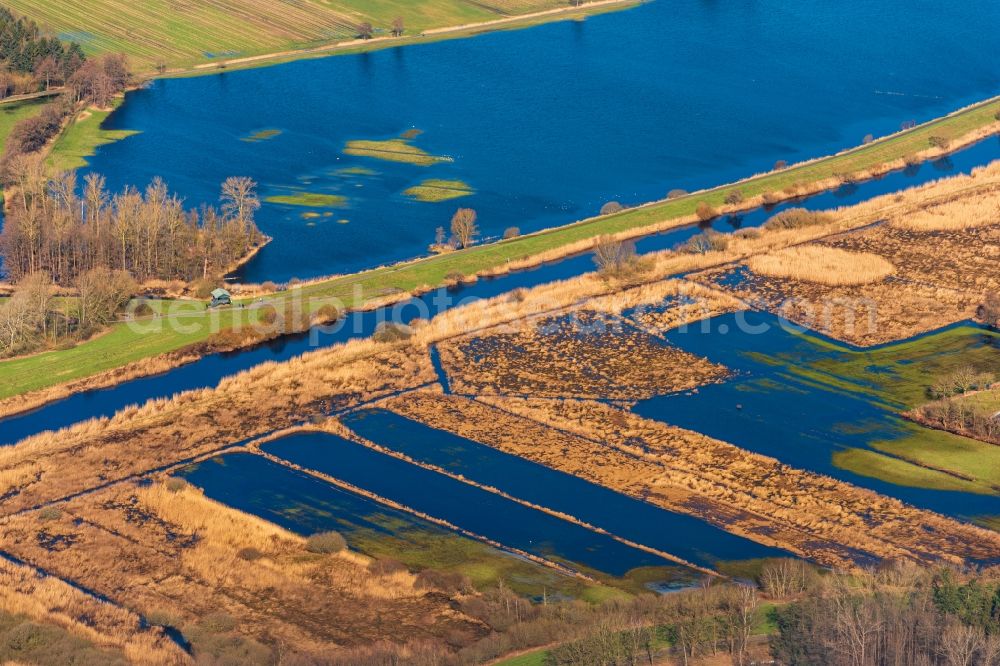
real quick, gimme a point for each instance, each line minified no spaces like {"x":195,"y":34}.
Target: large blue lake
{"x":547,"y":124}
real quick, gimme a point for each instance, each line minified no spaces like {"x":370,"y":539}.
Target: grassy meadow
{"x":14,"y":112}
{"x":186,"y":34}
{"x":82,"y":138}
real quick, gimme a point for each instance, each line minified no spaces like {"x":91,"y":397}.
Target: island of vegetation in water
{"x":261,"y":135}
{"x":436,"y":190}
{"x":393,"y":150}
{"x":309,"y":199}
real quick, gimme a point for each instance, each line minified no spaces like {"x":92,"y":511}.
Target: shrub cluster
{"x":326,"y":542}
{"x":705,"y":242}
{"x":796,"y":218}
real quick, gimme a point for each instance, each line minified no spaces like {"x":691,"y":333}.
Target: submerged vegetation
{"x":309,"y":199}
{"x":393,"y":150}
{"x":530,"y":249}
{"x":111,"y":553}
{"x":261,"y":135}
{"x":434,"y":190}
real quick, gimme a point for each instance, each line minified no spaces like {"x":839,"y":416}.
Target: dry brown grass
{"x":957,"y":215}
{"x":45,"y":598}
{"x":580,"y":354}
{"x":821,"y":518}
{"x":825,"y":265}
{"x":164,"y":432}
{"x":176,"y":554}
{"x":939,"y":275}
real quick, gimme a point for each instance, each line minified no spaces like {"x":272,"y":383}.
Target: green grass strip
{"x":310,"y":199}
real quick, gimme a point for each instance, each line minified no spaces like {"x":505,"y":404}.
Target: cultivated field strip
{"x":183,"y":32}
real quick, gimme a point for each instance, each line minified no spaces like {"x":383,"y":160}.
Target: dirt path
{"x":51,"y":92}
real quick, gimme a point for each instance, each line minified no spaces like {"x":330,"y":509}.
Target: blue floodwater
{"x":768,"y":409}
{"x":307,"y":505}
{"x":207,"y":371}
{"x":549,"y":123}
{"x":294,"y":500}
{"x":468,"y":507}
{"x":677,"y":534}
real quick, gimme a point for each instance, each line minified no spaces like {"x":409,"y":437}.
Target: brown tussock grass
{"x":822,"y":264}
{"x":958,"y":215}
{"x":45,"y":598}
{"x":177,"y":553}
{"x":583,"y":355}
{"x":155,"y":365}
{"x":939,"y":278}
{"x":758,"y":497}
{"x":163,"y":432}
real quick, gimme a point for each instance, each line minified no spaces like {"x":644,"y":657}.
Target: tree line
{"x":54,"y":227}
{"x":892,"y":615}
{"x":30,"y":60}
{"x":33,"y":319}
{"x":96,"y":82}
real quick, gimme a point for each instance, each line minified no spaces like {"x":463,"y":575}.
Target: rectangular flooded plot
{"x":465,"y":506}
{"x":683,"y":536}
{"x":307,"y":505}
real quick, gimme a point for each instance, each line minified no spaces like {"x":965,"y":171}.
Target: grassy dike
{"x":123,"y":345}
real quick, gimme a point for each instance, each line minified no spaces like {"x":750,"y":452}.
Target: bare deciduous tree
{"x":463,"y":227}
{"x":102,"y":293}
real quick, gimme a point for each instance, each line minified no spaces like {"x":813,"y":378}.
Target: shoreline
{"x":346,"y":47}
{"x":317,"y":291}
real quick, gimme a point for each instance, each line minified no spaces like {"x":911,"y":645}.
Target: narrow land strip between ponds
{"x":349,"y":434}
{"x":351,"y":488}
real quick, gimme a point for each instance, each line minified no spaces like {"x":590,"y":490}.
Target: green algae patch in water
{"x":989,"y":522}
{"x":261,"y":135}
{"x":900,"y":373}
{"x":968,"y":458}
{"x":429,"y":548}
{"x":434,"y":190}
{"x":355,"y":171}
{"x":394,"y":150}
{"x":309,"y":199}
{"x":902,"y":473}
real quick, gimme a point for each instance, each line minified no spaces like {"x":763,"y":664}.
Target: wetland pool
{"x":677,"y":534}
{"x":306,"y":505}
{"x":803,"y":399}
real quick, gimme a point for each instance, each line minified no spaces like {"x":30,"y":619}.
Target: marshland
{"x":477,"y":358}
